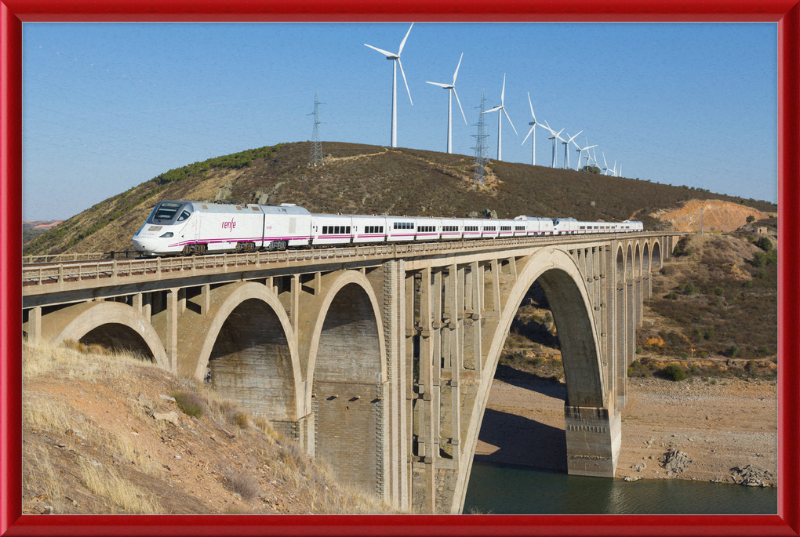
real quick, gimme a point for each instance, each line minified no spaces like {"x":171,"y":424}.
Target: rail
{"x":97,"y":269}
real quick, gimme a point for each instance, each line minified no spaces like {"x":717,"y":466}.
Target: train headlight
{"x":167,"y":235}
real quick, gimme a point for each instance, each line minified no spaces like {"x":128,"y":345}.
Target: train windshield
{"x":165,"y":212}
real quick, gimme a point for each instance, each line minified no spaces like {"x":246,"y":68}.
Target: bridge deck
{"x":42,"y":279}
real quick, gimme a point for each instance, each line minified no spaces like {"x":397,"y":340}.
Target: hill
{"x":111,"y":433}
{"x":364,"y":179}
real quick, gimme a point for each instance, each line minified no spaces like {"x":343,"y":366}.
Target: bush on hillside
{"x":674,"y":372}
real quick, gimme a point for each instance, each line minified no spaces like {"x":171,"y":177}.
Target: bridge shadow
{"x":523,"y":441}
{"x":531,"y":381}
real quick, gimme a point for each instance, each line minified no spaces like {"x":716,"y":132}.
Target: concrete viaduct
{"x":378,"y":359}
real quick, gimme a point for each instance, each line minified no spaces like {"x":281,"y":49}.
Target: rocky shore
{"x":721,"y":432}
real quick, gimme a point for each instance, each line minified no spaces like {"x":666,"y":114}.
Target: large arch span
{"x":586,"y":382}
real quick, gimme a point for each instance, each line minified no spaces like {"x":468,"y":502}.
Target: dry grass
{"x":243,"y":484}
{"x":75,"y":360}
{"x":284,"y":469}
{"x":39,"y":468}
{"x":107,"y":483}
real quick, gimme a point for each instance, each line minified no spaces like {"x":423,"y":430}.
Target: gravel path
{"x":719,"y":427}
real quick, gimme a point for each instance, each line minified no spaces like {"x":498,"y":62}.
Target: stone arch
{"x":111,"y":324}
{"x":637,"y":285}
{"x":347,"y":379}
{"x":560,"y":276}
{"x":655,"y":255}
{"x":250,"y":350}
{"x":619,"y":325}
{"x":630,"y":306}
{"x":647,"y":285}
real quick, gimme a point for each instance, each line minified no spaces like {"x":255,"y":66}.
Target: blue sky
{"x":108,"y":106}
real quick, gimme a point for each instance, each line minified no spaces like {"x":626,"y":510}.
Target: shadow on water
{"x":531,"y":381}
{"x":523,"y":441}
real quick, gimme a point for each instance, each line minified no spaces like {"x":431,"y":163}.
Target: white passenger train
{"x":193,"y":227}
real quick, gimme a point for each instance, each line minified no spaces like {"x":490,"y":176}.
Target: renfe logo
{"x":229,"y":225}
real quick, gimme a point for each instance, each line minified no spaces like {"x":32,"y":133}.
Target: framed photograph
{"x":300,"y":31}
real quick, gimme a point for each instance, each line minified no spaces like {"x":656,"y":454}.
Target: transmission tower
{"x":316,"y":145}
{"x":481,"y":145}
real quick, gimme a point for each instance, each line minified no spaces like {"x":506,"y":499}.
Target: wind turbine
{"x":452,"y":89}
{"x":566,"y":149}
{"x":580,"y":151}
{"x":605,"y":164}
{"x":395,"y":60}
{"x":532,"y":131}
{"x":554,"y":138}
{"x":502,"y":109}
{"x":614,"y":170}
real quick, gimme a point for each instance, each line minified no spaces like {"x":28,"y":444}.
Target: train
{"x":196,"y":227}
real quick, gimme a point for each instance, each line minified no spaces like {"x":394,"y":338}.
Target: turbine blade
{"x":526,"y":136}
{"x":436,"y":84}
{"x":459,"y":65}
{"x":387,"y":54}
{"x":404,"y":39}
{"x":404,"y":76}
{"x":529,"y":102}
{"x":459,"y":106}
{"x":495,"y":109}
{"x":503,"y":93}
{"x":509,"y":120}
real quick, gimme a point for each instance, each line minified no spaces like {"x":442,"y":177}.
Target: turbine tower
{"x":451,"y":90}
{"x":580,"y":151}
{"x":532,"y":131}
{"x":502,"y":109}
{"x":566,"y":149}
{"x":396,"y":60}
{"x":554,"y":137}
{"x":605,"y":164}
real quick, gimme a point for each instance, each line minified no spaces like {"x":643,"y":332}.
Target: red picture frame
{"x":786,"y":13}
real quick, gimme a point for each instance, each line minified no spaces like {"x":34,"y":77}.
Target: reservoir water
{"x":519,"y":490}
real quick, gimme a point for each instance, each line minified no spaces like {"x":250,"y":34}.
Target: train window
{"x":166,"y":211}
{"x":324,"y":230}
{"x":380,"y":229}
{"x":184,"y":215}
{"x":348,"y":230}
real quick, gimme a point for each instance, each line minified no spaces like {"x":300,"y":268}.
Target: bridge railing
{"x":66,"y":258}
{"x":72,"y":270}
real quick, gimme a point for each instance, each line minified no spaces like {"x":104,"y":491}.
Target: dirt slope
{"x":717,"y":216}
{"x":106,"y":434}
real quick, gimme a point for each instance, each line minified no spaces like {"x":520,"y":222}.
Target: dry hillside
{"x":370,"y":179}
{"x":110,"y":433}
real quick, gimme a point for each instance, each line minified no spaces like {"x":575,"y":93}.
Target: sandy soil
{"x":730,"y":424}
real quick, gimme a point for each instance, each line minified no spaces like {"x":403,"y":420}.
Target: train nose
{"x":143,"y":245}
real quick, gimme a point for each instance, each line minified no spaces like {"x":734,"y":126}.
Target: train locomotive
{"x":194,"y":227}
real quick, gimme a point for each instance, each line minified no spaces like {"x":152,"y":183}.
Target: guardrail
{"x":71,"y":271}
{"x":66,"y":258}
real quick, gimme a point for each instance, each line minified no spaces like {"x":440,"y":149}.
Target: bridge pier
{"x":594,"y":437}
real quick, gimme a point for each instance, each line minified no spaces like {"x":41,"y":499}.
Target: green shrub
{"x":639,"y":349}
{"x":751,"y":218}
{"x":672,"y":296}
{"x":674,"y":372}
{"x":764,"y":243}
{"x":694,"y":369}
{"x":689,"y":288}
{"x":732,"y":351}
{"x":719,"y":291}
{"x":190,"y":403}
{"x":748,"y":284}
{"x":708,"y":334}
